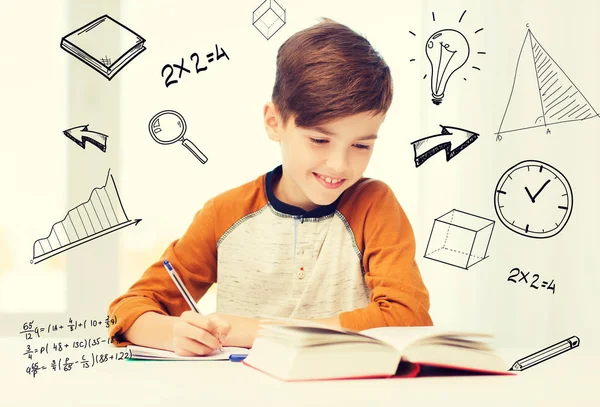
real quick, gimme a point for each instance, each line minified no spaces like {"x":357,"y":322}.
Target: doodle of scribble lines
{"x":561,"y":100}
{"x":105,"y":60}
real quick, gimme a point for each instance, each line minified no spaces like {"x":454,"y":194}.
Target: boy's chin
{"x":324,"y":201}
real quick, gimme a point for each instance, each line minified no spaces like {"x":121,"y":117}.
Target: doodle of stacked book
{"x":104,"y":44}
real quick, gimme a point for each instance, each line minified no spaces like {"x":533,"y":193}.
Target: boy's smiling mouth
{"x":329,"y":182}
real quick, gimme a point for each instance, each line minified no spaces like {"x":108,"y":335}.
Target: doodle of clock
{"x":533,"y":199}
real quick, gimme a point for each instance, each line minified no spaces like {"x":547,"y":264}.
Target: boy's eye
{"x":323,"y":141}
{"x":363,"y":146}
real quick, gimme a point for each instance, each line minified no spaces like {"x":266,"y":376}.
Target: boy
{"x":311,"y":239}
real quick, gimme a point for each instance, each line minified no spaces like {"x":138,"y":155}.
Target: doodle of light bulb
{"x":447,"y":51}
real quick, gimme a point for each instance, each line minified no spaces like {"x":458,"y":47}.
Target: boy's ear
{"x":272,"y":120}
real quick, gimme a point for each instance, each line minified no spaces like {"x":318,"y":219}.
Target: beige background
{"x":43,"y":174}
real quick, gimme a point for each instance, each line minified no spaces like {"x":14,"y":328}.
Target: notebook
{"x":145,"y":353}
{"x":319,"y":352}
{"x":104,"y":44}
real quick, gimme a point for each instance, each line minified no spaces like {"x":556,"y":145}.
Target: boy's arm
{"x":398,"y":295}
{"x":155,"y":297}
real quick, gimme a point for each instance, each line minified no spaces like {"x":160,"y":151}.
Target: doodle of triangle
{"x":542,"y":93}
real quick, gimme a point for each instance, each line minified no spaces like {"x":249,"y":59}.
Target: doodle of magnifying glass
{"x":168,"y":127}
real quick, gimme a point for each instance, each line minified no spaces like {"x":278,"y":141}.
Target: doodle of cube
{"x":459,"y":239}
{"x":268,"y":18}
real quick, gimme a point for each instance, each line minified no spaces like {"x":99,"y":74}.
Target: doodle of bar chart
{"x":459,"y":239}
{"x":101,"y":214}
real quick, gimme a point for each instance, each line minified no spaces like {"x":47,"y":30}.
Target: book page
{"x":401,"y":337}
{"x":142,"y":352}
{"x":301,"y":336}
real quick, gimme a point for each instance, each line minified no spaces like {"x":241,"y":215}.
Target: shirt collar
{"x":292,"y":210}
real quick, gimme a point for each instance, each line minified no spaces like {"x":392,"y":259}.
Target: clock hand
{"x":529,"y":193}
{"x":540,"y":190}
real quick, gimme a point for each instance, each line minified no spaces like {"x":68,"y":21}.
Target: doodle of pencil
{"x":545,"y":354}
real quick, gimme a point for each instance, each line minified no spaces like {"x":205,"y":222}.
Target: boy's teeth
{"x":329,"y":180}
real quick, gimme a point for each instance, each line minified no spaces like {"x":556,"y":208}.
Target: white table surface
{"x":570,"y":379}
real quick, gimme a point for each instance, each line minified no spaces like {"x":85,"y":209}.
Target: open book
{"x":318,"y":352}
{"x":142,"y":352}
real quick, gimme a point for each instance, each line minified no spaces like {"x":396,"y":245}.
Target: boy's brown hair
{"x":328,"y":72}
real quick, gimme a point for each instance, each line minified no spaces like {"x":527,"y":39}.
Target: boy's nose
{"x":337,"y":163}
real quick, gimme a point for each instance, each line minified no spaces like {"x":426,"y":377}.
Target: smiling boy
{"x":311,"y":239}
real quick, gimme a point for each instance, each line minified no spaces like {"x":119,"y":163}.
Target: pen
{"x":186,"y":294}
{"x":237,"y":357}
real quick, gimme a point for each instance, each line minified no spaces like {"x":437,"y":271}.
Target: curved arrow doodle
{"x":81,"y":134}
{"x":426,"y":147}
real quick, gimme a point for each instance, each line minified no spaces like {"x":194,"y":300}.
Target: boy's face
{"x":322,"y":162}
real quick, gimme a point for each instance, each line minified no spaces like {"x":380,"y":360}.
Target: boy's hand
{"x":195,"y":334}
{"x":243,"y":330}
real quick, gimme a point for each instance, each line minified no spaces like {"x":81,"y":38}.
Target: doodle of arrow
{"x":426,"y":147}
{"x":81,"y":135}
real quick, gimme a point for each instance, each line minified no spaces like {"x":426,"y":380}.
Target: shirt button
{"x":300,"y":275}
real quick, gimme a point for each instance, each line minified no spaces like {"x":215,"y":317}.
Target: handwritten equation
{"x":29,"y":329}
{"x":66,"y":364}
{"x":66,"y":354}
{"x":168,"y":70}
{"x":47,"y":347}
{"x":522,"y":277}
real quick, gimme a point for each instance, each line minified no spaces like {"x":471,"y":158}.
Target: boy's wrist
{"x":153,"y":330}
{"x":243,"y":330}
